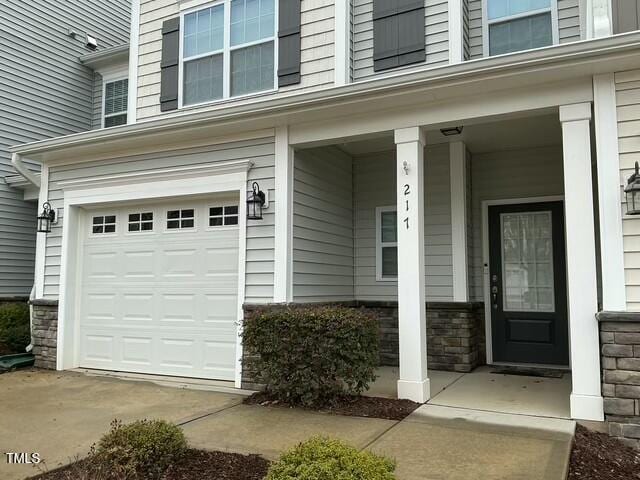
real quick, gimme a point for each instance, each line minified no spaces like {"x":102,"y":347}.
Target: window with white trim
{"x":226,"y":215}
{"x":140,"y":222}
{"x":228,"y":49}
{"x":103,"y":224}
{"x":386,"y":243}
{"x":115,"y":102}
{"x":516,"y":25}
{"x":181,"y":219}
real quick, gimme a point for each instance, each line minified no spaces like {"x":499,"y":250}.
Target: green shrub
{"x":142,"y":449}
{"x":15,"y":331}
{"x":325,"y":459}
{"x":311,"y":355}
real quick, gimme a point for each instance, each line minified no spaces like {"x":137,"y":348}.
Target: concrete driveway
{"x":61,"y":414}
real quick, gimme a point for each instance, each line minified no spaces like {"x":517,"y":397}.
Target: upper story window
{"x":516,"y":25}
{"x":228,"y":50}
{"x":115,"y":102}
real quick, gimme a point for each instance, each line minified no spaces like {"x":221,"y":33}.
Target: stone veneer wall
{"x":45,"y":333}
{"x":620,"y":349}
{"x":455,"y":336}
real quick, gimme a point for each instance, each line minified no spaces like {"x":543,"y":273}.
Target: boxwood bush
{"x":15,"y":332}
{"x":325,"y":459}
{"x":312,"y":355}
{"x":143,"y":449}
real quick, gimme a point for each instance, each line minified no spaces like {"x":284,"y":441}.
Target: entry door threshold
{"x":169,"y":381}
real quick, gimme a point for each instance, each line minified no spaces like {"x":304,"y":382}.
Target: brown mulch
{"x":5,"y":350}
{"x":195,"y":464}
{"x":354,"y":406}
{"x":597,"y":456}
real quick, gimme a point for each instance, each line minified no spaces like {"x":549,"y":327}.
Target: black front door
{"x":527,"y":282}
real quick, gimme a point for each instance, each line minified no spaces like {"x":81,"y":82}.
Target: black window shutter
{"x":169,"y":64}
{"x":288,"y":42}
{"x":398,"y":33}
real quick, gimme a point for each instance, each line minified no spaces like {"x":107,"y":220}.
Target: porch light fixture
{"x":46,"y":218}
{"x":632,"y":192}
{"x":255,"y":202}
{"x":451,"y":131}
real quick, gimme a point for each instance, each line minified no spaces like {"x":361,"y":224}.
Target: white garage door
{"x":159,"y":289}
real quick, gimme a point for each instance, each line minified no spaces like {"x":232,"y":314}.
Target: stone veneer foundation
{"x":620,"y":349}
{"x":455,"y":336}
{"x":45,"y":333}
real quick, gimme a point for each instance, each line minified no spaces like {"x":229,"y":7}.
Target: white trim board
{"x":486,"y":293}
{"x":70,"y":270}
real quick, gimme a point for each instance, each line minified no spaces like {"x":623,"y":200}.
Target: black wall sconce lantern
{"x":46,"y":218}
{"x":255,"y":203}
{"x":632,"y":192}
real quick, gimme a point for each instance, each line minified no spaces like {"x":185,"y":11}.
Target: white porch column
{"x":283,"y":261}
{"x":610,"y":219}
{"x":456,"y":31}
{"x":599,"y":20}
{"x":413,"y":383}
{"x":458,"y":178}
{"x":586,"y":399}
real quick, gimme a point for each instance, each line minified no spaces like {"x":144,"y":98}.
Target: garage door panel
{"x":163,"y":302}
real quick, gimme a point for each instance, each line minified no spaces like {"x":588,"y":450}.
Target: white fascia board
{"x":619,"y":52}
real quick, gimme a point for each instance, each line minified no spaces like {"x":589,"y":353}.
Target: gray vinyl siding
{"x":96,"y":117}
{"x":260,"y":233}
{"x":44,"y":92}
{"x":628,"y":109}
{"x":465,"y":32}
{"x":323,"y":226}
{"x":509,"y":175}
{"x":374,"y":186}
{"x":436,"y":36}
{"x":568,"y":24}
{"x":317,"y":49}
{"x":569,"y":20}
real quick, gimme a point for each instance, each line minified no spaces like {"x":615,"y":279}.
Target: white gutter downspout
{"x":19,"y":165}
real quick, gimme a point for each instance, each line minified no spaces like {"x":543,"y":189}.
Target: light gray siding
{"x":628,"y":109}
{"x":475,"y":29}
{"x":374,"y":186}
{"x":96,"y":117}
{"x":436,"y":36}
{"x":260,"y":233}
{"x":323,"y":226}
{"x":509,"y":175}
{"x":317,"y":49}
{"x":44,"y":92}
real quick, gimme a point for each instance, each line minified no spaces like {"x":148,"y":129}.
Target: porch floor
{"x":486,"y":391}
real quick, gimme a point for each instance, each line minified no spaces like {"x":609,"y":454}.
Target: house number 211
{"x":407,"y":192}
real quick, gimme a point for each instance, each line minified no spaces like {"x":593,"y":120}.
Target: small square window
{"x":103,"y":224}
{"x":179,"y":219}
{"x":227,"y":215}
{"x":141,"y":222}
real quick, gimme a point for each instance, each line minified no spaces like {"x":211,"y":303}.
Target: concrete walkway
{"x":60,"y":415}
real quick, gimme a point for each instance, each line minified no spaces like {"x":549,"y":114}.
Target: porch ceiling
{"x":508,"y":134}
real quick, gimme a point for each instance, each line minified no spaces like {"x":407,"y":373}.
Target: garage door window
{"x":141,"y":222}
{"x":104,"y":224}
{"x":226,"y":215}
{"x":180,"y":219}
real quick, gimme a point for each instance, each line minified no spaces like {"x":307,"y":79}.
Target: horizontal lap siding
{"x":475,"y":29}
{"x":628,"y":109}
{"x":569,"y":20}
{"x":317,"y":49}
{"x":374,"y":186}
{"x":96,"y":118}
{"x":509,"y":175}
{"x":436,"y":36}
{"x":322,"y":226}
{"x":260,"y":241}
{"x":44,"y":92}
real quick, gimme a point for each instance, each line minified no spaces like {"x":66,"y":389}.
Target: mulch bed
{"x":355,"y":406}
{"x":195,"y":464}
{"x":597,"y":456}
{"x":5,"y":350}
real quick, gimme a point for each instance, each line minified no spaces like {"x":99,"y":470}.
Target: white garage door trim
{"x":145,"y":186}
